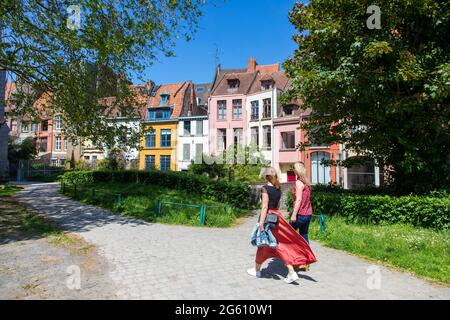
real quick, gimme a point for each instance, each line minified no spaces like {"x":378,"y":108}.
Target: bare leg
{"x":290,"y":268}
{"x":292,"y":275}
{"x":257,"y":267}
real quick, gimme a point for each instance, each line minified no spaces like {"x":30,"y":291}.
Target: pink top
{"x":305,"y":205}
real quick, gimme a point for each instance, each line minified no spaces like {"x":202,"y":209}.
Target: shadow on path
{"x":277,"y":270}
{"x":68,"y":214}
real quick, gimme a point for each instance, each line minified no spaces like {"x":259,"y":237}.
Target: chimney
{"x":251,"y":66}
{"x":149,"y":85}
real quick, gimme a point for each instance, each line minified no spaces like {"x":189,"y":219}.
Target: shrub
{"x":77,"y":177}
{"x":51,"y":177}
{"x":236,"y":194}
{"x":421,"y":211}
{"x":428,"y":212}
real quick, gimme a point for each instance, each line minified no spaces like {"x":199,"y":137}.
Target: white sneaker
{"x":291,"y":277}
{"x":254,"y":273}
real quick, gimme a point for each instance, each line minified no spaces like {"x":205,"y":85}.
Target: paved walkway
{"x":156,"y":261}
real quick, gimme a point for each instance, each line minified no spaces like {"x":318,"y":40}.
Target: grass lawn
{"x":140,"y":201}
{"x":424,"y":252}
{"x":19,"y":223}
{"x":7,"y":190}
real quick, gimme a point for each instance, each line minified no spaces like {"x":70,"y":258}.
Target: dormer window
{"x":159,"y":114}
{"x":233,"y":83}
{"x":164,"y":99}
{"x":266,"y":84}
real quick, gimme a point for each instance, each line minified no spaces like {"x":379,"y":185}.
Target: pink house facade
{"x":244,"y":108}
{"x":286,"y":138}
{"x":228,"y":115}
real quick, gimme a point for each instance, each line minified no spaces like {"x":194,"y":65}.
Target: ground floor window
{"x":267,"y":137}
{"x":186,"y":152}
{"x":238,"y":136}
{"x":56,"y":162}
{"x":164,"y":163}
{"x":149,"y":162}
{"x":254,"y":136}
{"x":361,"y":175}
{"x":320,"y":173}
{"x":221,"y":139}
{"x":198,"y":152}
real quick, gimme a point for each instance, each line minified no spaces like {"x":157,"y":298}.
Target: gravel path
{"x":156,"y":261}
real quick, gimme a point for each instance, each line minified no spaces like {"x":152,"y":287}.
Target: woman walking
{"x":301,"y":216}
{"x":292,"y":249}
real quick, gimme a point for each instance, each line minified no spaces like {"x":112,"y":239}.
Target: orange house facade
{"x":312,"y":157}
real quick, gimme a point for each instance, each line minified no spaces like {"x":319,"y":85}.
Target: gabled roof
{"x":221,"y":72}
{"x":280,"y":80}
{"x":245,"y":83}
{"x":179,"y":96}
{"x":246,"y":77}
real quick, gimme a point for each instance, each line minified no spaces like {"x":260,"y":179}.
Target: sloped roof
{"x":177,"y":97}
{"x":270,"y":68}
{"x":280,"y":81}
{"x":245,"y":82}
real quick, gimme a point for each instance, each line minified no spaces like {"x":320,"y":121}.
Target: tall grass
{"x":140,"y":201}
{"x":424,"y":252}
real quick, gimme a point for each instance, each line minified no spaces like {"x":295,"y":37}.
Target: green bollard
{"x":158,"y":208}
{"x":202,"y":214}
{"x":323,"y":225}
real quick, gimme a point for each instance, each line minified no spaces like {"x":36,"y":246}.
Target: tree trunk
{"x":4,"y":130}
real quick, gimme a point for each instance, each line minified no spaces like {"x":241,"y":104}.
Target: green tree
{"x":384,"y":93}
{"x":208,"y":167}
{"x":116,"y":159}
{"x":25,"y":150}
{"x":240,"y":163}
{"x":86,"y":52}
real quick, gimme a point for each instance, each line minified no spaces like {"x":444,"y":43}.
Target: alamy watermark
{"x":73,"y":281}
{"x":374,"y":280}
{"x":234,"y":154}
{"x":74,"y":18}
{"x":374,"y":20}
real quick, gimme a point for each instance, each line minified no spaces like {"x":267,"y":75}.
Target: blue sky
{"x":239,"y":29}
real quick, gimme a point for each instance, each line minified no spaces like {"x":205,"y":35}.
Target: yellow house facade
{"x":159,"y":146}
{"x":160,"y":125}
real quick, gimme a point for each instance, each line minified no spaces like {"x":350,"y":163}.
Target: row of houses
{"x":183,"y":121}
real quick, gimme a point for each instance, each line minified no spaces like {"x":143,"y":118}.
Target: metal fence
{"x":93,"y":195}
{"x":31,"y":169}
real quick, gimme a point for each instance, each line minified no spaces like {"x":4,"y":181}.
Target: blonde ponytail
{"x":300,"y":172}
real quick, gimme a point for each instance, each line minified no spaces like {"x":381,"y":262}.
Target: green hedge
{"x":234,"y":193}
{"x":420,"y":211}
